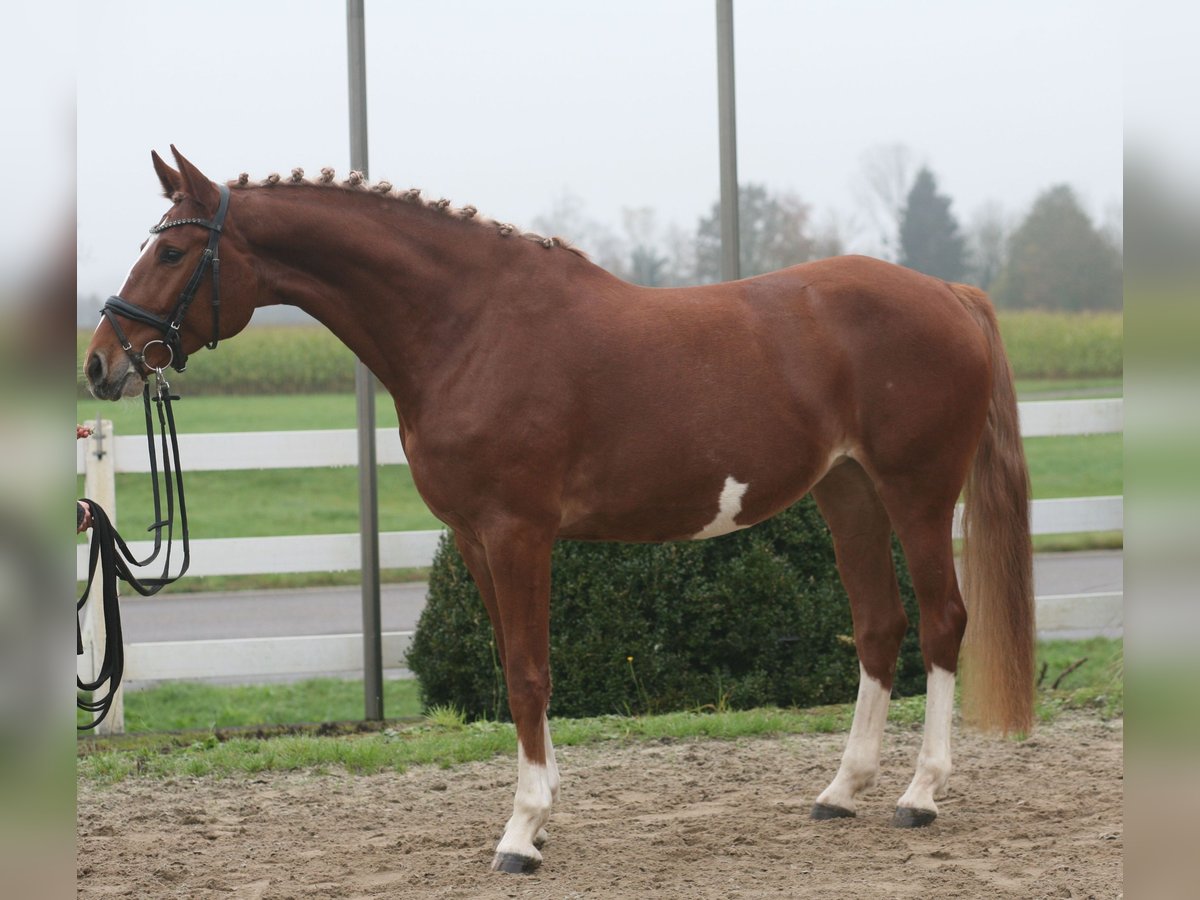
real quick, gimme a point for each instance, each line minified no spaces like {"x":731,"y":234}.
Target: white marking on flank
{"x":933,"y":762}
{"x":729,"y":504}
{"x":860,"y":762}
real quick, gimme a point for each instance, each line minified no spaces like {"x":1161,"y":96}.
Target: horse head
{"x":189,"y":287}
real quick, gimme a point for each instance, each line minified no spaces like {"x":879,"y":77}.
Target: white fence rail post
{"x":100,"y":485}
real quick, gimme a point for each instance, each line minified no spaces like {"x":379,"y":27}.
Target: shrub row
{"x":308,"y":359}
{"x":755,"y":618}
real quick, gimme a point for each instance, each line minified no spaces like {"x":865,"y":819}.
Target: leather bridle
{"x":169,"y":325}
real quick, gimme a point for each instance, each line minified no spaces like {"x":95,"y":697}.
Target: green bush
{"x":755,"y":618}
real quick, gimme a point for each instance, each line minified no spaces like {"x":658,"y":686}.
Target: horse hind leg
{"x":862,"y":542}
{"x":924,"y":529}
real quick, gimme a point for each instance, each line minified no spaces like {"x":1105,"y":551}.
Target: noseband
{"x":169,"y":325}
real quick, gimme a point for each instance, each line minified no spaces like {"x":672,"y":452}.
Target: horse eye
{"x":171,"y":255}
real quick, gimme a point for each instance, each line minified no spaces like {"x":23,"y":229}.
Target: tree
{"x":647,"y":265}
{"x":930,"y":241}
{"x":987,"y":245}
{"x":774,"y":234}
{"x":1057,"y":259}
{"x":567,"y":218}
{"x":886,"y":179}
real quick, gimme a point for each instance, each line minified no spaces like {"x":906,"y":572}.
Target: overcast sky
{"x":509,"y":105}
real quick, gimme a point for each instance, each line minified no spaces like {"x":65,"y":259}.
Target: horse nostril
{"x":95,"y":369}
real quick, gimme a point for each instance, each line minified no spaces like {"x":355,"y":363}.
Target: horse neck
{"x":395,"y":282}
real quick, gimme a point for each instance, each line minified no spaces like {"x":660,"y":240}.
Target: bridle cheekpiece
{"x":169,"y":325}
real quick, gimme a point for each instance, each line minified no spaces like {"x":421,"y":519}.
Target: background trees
{"x":1058,"y":259}
{"x":775,"y":234}
{"x":1055,"y":258}
{"x":930,"y":241}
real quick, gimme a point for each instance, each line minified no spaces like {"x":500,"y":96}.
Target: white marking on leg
{"x":729,"y":504}
{"x":933,"y":762}
{"x":552,"y":771}
{"x":860,"y":762}
{"x":537,"y":787}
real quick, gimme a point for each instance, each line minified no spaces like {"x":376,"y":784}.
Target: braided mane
{"x":355,"y":181}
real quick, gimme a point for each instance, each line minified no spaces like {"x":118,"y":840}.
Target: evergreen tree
{"x":1058,"y":259}
{"x":930,"y":241}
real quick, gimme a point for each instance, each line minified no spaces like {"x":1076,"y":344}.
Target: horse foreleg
{"x":475,"y":557}
{"x":519,"y":562}
{"x":862,"y":543}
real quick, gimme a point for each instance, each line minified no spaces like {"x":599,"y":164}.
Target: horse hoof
{"x":514,"y":864}
{"x":907,"y":817}
{"x":822,"y":811}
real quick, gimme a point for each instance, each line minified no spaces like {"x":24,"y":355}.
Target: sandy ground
{"x":702,"y":819}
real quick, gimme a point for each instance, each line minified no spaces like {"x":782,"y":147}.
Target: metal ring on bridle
{"x":170,"y":355}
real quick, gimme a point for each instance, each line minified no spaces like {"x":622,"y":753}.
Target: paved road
{"x":178,"y":617}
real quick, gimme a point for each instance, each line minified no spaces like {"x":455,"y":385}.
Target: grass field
{"x":444,"y":739}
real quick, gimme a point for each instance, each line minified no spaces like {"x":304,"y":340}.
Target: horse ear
{"x":195,"y":183}
{"x":168,"y":177}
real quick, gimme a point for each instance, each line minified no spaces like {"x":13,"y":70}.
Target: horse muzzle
{"x":112,"y":379}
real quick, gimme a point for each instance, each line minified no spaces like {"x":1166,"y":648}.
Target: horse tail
{"x":997,"y":558}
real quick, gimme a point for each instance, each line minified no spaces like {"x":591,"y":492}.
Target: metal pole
{"x":364,"y":392}
{"x":727,"y":114}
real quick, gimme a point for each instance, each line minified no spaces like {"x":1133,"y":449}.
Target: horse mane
{"x":357,"y":182}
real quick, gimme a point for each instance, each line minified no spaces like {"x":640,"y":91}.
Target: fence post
{"x":100,"y":485}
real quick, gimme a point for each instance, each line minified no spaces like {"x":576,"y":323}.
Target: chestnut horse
{"x":539,"y":397}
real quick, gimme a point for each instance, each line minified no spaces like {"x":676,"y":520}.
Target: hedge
{"x":300,"y":359}
{"x":755,"y":618}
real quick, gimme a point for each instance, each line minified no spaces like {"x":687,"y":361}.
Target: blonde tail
{"x":997,"y":584}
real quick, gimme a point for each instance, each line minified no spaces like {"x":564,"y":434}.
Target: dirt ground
{"x":702,"y":819}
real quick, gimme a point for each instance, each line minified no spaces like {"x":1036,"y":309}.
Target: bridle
{"x":169,"y":325}
{"x":109,"y":553}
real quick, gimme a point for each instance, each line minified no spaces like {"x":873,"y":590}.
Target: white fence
{"x":104,"y":455}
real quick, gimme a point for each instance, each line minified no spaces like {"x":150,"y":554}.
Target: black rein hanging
{"x":109,"y":553}
{"x":112,"y":556}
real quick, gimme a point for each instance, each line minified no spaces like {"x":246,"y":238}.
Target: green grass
{"x":1097,"y":683}
{"x":1077,"y":466}
{"x":444,"y":739}
{"x":1069,"y":388}
{"x":266,"y":412}
{"x":192,"y":706}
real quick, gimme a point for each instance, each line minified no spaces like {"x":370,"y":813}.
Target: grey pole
{"x":727,"y":113}
{"x":364,"y":392}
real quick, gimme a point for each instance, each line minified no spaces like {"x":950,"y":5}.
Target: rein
{"x":113,"y":558}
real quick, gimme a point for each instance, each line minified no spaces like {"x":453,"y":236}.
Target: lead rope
{"x":111,"y":555}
